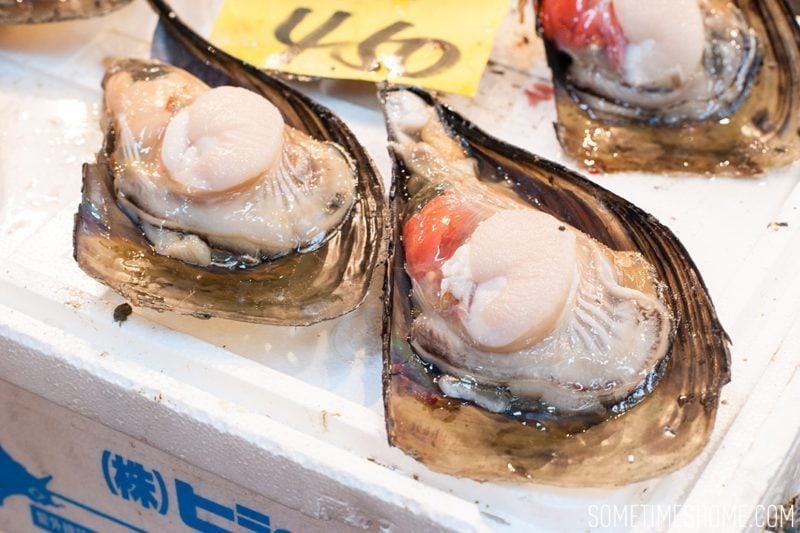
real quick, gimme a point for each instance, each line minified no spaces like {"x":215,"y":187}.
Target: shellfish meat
{"x":231,"y":195}
{"x":699,"y":86}
{"x":528,"y":306}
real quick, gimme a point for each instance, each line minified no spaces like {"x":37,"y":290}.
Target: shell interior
{"x":761,"y":131}
{"x":296,"y":289}
{"x":657,"y":429}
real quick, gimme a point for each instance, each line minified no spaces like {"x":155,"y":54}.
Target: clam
{"x":537,"y":327}
{"x":220,"y":191}
{"x":36,"y":11}
{"x":686,"y":86}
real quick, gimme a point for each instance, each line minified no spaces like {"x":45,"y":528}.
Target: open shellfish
{"x":245,"y":201}
{"x":698,"y":86}
{"x":533,"y":315}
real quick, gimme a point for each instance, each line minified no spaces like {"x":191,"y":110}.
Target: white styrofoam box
{"x":295,"y":415}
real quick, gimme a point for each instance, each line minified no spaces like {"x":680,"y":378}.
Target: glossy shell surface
{"x":762,"y":133}
{"x":665,"y":426}
{"x":297,"y":289}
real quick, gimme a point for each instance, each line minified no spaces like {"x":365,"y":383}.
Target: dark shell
{"x":37,"y":11}
{"x":297,"y":289}
{"x":764,"y":132}
{"x":662,"y":430}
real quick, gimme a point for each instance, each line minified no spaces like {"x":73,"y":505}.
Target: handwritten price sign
{"x":440,"y":44}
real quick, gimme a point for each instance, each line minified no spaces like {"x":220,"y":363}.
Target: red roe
{"x":432,"y":236}
{"x":576,"y":24}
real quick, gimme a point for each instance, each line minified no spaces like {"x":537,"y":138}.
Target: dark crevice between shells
{"x":660,"y":428}
{"x":296,"y":289}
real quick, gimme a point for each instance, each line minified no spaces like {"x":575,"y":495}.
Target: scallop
{"x":220,"y":191}
{"x":527,"y":306}
{"x":214,"y":176}
{"x":686,"y":86}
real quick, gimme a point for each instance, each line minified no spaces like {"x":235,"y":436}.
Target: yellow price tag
{"x":439,"y":44}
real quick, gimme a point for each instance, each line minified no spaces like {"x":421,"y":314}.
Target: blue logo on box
{"x":133,"y":482}
{"x":16,"y":480}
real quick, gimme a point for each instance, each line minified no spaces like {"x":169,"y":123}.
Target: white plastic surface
{"x":323,"y":383}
